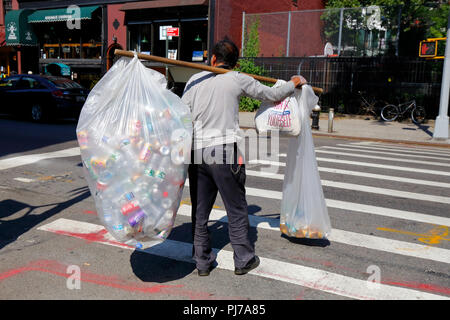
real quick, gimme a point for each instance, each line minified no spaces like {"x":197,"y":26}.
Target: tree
{"x":247,"y":64}
{"x":419,"y":19}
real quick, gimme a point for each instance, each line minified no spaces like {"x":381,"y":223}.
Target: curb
{"x":420,"y":143}
{"x":335,"y":136}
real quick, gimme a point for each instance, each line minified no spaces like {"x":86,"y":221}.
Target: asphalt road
{"x":389,"y":240}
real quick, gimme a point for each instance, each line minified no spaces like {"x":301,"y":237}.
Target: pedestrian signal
{"x":427,"y":49}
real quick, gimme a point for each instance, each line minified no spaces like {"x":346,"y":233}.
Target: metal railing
{"x":384,"y":78}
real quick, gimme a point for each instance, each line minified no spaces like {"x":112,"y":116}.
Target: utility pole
{"x":441,"y":123}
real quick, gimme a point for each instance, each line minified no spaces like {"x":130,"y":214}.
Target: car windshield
{"x":64,"y":83}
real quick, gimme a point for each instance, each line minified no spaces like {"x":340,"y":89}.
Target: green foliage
{"x":420,"y":19}
{"x":251,"y":40}
{"x":438,"y":23}
{"x":247,"y":64}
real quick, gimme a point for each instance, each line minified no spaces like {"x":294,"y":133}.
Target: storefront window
{"x":140,"y":38}
{"x":57,"y":41}
{"x":191,"y":45}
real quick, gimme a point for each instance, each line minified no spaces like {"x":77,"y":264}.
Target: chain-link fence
{"x":368,"y":31}
{"x":344,"y":51}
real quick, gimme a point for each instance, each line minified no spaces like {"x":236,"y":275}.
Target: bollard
{"x":330,"y":119}
{"x":315,"y":117}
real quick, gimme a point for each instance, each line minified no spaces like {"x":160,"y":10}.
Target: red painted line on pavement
{"x":60,"y":269}
{"x":413,"y":285}
{"x":418,"y":285}
{"x":92,"y":237}
{"x":90,"y":212}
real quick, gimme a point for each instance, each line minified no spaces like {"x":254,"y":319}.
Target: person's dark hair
{"x":227,"y":52}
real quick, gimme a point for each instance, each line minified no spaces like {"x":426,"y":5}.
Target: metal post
{"x":288,"y":35}
{"x":398,"y":29}
{"x":211,"y":29}
{"x":243,"y":34}
{"x":167,"y":45}
{"x":441,"y":123}
{"x":341,"y":19}
{"x":330,"y":119}
{"x":167,"y":56}
{"x":104,"y":36}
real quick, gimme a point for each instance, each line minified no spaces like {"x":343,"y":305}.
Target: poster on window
{"x":172,"y":54}
{"x":197,"y":56}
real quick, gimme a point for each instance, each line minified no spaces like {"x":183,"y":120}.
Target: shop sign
{"x":163,"y":33}
{"x":58,"y":17}
{"x":17,"y":30}
{"x":173,"y":32}
{"x":11,"y":28}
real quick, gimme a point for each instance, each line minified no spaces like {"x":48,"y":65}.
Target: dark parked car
{"x":41,"y":97}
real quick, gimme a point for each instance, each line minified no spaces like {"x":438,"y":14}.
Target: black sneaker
{"x":252,"y":264}
{"x":205,"y":273}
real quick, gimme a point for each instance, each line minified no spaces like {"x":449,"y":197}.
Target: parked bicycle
{"x":368,"y":106}
{"x":391,"y":112}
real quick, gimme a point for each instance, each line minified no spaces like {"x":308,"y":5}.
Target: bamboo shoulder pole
{"x":192,"y":65}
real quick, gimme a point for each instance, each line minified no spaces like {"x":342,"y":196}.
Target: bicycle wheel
{"x":389,"y":112}
{"x":418,"y":115}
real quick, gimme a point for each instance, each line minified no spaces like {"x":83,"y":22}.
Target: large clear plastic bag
{"x":304,"y":212}
{"x":135,"y":139}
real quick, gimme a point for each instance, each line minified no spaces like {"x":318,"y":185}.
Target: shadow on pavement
{"x":252,"y":209}
{"x":425,"y":129}
{"x":18,"y":135}
{"x":11,"y":229}
{"x":152,"y":268}
{"x":308,"y":242}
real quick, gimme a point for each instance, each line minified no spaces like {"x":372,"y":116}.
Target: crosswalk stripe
{"x":356,"y":207}
{"x":436,"y":151}
{"x":393,"y":152}
{"x":353,"y":148}
{"x":388,"y":212}
{"x":269,"y":268}
{"x":362,"y":188}
{"x":32,"y":158}
{"x":441,"y":164}
{"x":345,"y":237}
{"x":26,"y":180}
{"x":385,"y":177}
{"x":356,"y":163}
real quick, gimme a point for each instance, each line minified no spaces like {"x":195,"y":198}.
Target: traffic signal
{"x":432,"y":48}
{"x":428,"y":49}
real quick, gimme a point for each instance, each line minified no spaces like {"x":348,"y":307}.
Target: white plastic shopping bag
{"x":282,"y":116}
{"x":304,"y":212}
{"x":135,"y":140}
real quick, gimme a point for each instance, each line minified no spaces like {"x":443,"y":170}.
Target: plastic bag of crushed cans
{"x":135,"y":140}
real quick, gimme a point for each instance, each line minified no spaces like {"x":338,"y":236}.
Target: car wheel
{"x":37,"y":113}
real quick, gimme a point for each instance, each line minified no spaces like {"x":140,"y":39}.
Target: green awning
{"x":18,"y":31}
{"x":64,"y":14}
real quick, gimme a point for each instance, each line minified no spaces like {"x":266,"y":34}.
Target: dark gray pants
{"x":205,"y":180}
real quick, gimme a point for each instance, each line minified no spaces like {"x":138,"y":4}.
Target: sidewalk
{"x":357,"y":127}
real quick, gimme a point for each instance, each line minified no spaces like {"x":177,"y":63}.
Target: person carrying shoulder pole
{"x":217,"y":162}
